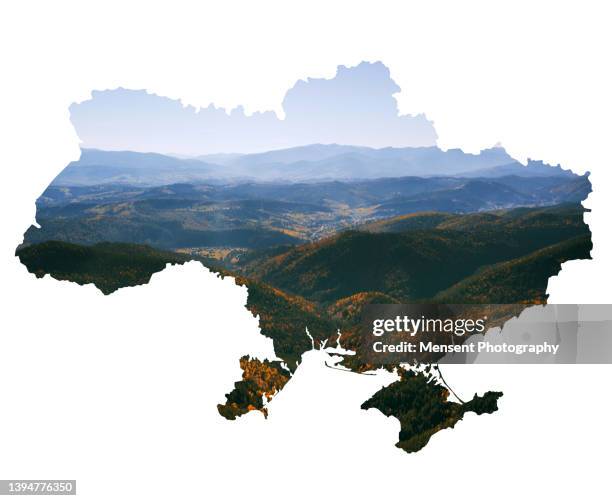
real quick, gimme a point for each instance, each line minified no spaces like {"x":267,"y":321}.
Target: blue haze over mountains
{"x":388,"y":181}
{"x":343,"y":156}
{"x":345,"y":130}
{"x":301,"y":164}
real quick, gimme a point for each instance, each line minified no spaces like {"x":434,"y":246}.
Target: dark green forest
{"x":501,"y":256}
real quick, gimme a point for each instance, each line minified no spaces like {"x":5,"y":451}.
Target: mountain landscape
{"x":315,"y":162}
{"x":137,"y":197}
{"x":316,"y":233}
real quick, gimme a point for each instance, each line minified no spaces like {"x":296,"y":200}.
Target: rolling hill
{"x":523,"y":279}
{"x":109,"y":266}
{"x":422,"y":259}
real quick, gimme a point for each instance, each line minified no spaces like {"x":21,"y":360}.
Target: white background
{"x":120,"y":392}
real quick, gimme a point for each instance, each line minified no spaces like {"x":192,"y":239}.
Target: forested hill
{"x":431,"y":253}
{"x":109,"y":266}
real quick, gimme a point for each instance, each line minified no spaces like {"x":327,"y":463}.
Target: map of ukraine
{"x":341,"y":204}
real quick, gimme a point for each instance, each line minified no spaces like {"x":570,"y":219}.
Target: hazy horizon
{"x":196,"y":156}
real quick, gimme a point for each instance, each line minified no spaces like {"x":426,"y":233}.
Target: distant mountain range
{"x":97,"y":167}
{"x":315,"y":162}
{"x":250,"y":215}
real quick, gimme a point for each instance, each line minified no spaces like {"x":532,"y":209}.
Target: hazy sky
{"x":355,"y":107}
